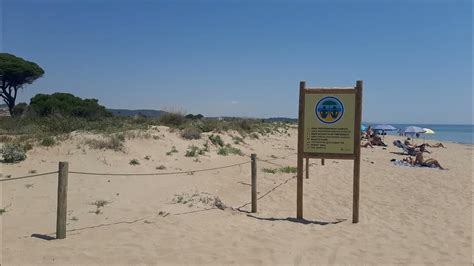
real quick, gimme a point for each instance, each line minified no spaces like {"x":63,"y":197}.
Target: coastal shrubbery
{"x":12,"y":153}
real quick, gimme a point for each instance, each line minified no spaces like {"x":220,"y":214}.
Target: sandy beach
{"x":408,"y":215}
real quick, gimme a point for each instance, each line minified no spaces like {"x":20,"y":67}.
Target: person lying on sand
{"x":419,"y":160}
{"x":437,"y":145}
{"x":377,"y":141}
{"x":366,"y":144}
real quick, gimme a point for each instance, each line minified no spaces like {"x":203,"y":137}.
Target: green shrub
{"x":173,"y":119}
{"x":13,"y":153}
{"x":114,"y":142}
{"x":269,"y":170}
{"x":254,"y":135}
{"x":48,"y":141}
{"x":288,"y":169}
{"x":19,"y":109}
{"x":237,"y":140}
{"x":191,"y":133}
{"x":173,"y":150}
{"x":27,"y":146}
{"x":5,"y":139}
{"x":227,"y":149}
{"x":216,"y":140}
{"x":66,"y":104}
{"x":134,"y":162}
{"x":194,"y":151}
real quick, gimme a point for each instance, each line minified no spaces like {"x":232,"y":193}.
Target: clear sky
{"x":246,"y":58}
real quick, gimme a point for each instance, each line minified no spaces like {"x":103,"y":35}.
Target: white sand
{"x":408,"y":215}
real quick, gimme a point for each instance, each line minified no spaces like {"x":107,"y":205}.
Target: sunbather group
{"x":372,"y":139}
{"x":417,"y":151}
{"x":420,"y":161}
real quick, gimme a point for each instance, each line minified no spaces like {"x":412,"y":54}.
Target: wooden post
{"x":358,"y":120}
{"x":322,"y":161}
{"x":299,"y":176}
{"x":307,"y":167}
{"x":253,"y":158}
{"x":62,"y":200}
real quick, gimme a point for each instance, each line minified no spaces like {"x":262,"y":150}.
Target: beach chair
{"x":406,"y":149}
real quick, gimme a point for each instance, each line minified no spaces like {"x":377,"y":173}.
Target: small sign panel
{"x":329,"y":123}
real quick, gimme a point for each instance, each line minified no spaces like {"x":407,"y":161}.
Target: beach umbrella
{"x":413,"y":130}
{"x":384,"y":128}
{"x":363,"y":127}
{"x":428,"y":131}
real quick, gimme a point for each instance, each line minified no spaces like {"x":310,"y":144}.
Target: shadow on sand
{"x":295,"y":220}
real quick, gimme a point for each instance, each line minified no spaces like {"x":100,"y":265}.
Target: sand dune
{"x":408,"y":215}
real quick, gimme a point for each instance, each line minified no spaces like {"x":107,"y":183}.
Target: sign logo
{"x":329,"y":110}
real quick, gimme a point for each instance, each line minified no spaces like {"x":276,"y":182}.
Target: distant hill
{"x":281,"y":119}
{"x":141,"y":112}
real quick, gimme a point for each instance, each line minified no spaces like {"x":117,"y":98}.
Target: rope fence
{"x":155,"y":174}
{"x":28,"y":176}
{"x":63,"y":172}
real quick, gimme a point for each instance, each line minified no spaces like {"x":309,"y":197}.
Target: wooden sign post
{"x":329,"y":122}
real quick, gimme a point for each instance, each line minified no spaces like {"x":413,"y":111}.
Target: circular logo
{"x":329,"y":110}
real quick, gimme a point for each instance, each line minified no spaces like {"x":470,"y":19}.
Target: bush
{"x":48,"y":142}
{"x":216,"y":140}
{"x":191,"y":133}
{"x":19,"y":109}
{"x":66,"y":104}
{"x":270,"y":170}
{"x":114,"y":142}
{"x":194,"y":151}
{"x":227,"y":149}
{"x":134,"y":162}
{"x":237,"y":140}
{"x":288,"y":169}
{"x":254,"y":135}
{"x":13,"y":153}
{"x":172,"y":119}
{"x":173,"y":150}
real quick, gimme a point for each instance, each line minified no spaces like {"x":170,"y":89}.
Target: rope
{"x":276,"y":164}
{"x":268,"y":192}
{"x":28,"y":176}
{"x":152,"y":174}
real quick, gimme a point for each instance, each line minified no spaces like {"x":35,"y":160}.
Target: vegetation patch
{"x":199,"y":199}
{"x":286,"y":170}
{"x":48,"y":141}
{"x":134,"y":162}
{"x":13,"y":153}
{"x":194,"y":151}
{"x":191,"y":133}
{"x":237,"y":140}
{"x":216,"y":140}
{"x":227,"y":149}
{"x":173,"y":150}
{"x":113,"y":142}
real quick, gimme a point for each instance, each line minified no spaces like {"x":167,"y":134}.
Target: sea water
{"x":455,"y":133}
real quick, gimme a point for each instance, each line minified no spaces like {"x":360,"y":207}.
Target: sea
{"x":455,"y":133}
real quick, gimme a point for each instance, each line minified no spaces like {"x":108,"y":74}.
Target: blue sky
{"x":245,"y":58}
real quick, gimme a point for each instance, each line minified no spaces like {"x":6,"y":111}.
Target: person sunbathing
{"x":366,"y":144}
{"x":419,"y":160}
{"x":377,"y":141}
{"x":436,"y":145}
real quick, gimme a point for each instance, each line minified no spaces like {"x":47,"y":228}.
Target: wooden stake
{"x":299,"y":176}
{"x":322,"y":161}
{"x":253,"y":158}
{"x":358,"y":120}
{"x":62,"y":200}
